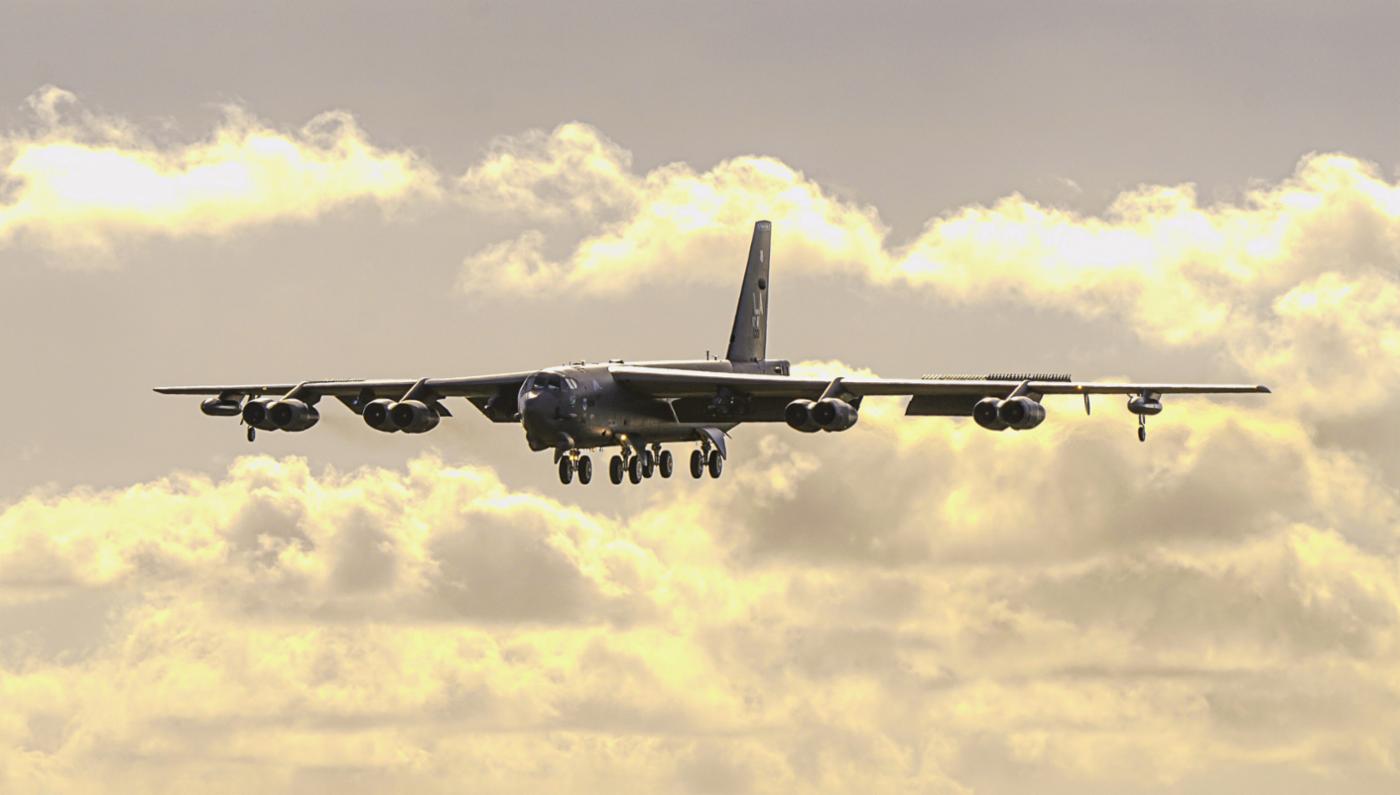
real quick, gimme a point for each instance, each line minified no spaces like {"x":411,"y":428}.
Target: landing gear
{"x":615,"y":469}
{"x":716,"y":463}
{"x":1142,"y":428}
{"x":648,"y":463}
{"x":697,"y":464}
{"x":634,"y":469}
{"x":566,"y":470}
{"x":585,"y":470}
{"x":666,"y":463}
{"x":252,"y":433}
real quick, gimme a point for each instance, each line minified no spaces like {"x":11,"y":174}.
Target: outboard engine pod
{"x":218,"y":407}
{"x":255,"y":413}
{"x":987,"y":413}
{"x":1020,"y":413}
{"x":376,"y":414}
{"x":833,"y":414}
{"x":293,"y":415}
{"x":414,"y":416}
{"x":798,"y":415}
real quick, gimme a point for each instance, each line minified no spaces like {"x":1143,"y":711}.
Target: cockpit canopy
{"x":552,"y":382}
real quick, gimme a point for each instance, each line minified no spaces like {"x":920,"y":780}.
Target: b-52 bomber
{"x":637,"y":407}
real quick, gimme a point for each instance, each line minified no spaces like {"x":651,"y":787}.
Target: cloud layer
{"x":80,"y":183}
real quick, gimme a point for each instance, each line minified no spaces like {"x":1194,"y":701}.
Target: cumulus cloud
{"x":80,"y":182}
{"x":380,"y":629}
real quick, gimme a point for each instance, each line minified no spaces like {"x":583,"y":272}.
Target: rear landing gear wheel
{"x":666,"y":464}
{"x":716,"y":463}
{"x":585,"y":470}
{"x":648,"y":463}
{"x":615,"y":468}
{"x":252,"y":433}
{"x":634,"y":469}
{"x":697,"y":464}
{"x":566,"y":470}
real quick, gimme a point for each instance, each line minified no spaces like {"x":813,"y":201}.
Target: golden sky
{"x":917,"y":605}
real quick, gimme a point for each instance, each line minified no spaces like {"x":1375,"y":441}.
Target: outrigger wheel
{"x":615,"y":468}
{"x":1142,"y":428}
{"x":252,"y":433}
{"x":697,"y":464}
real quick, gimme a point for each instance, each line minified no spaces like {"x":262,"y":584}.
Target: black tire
{"x":634,"y":469}
{"x":566,"y":470}
{"x":252,"y":433}
{"x":716,"y":463}
{"x":648,"y":463}
{"x":585,"y":470}
{"x":1142,"y":433}
{"x":615,"y":470}
{"x":697,"y":464}
{"x":666,"y":464}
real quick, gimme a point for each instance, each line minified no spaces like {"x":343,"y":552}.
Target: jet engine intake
{"x":376,"y":414}
{"x":255,"y":413}
{"x":414,"y":416}
{"x":987,"y":413}
{"x":291,"y":414}
{"x":833,"y":414}
{"x":218,"y":407}
{"x":798,"y":415}
{"x":1020,"y":413}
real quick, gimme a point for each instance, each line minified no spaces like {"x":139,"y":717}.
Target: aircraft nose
{"x":537,"y":412}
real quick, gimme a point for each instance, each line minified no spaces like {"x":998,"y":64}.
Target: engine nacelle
{"x":833,"y":414}
{"x":798,"y":415}
{"x":414,"y":416}
{"x":218,"y":407}
{"x":987,"y":413}
{"x":376,"y":414}
{"x":1020,"y":413}
{"x":291,"y":414}
{"x":255,"y":413}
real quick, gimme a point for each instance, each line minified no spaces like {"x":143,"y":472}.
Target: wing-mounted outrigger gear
{"x":748,"y":340}
{"x":1144,"y":404}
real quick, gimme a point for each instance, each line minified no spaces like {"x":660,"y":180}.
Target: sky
{"x":1194,"y":191}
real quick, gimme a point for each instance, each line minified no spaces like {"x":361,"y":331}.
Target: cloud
{"x":1295,"y":282}
{"x":81,"y":183}
{"x":382,"y":629}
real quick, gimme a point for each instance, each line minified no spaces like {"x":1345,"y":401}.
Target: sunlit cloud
{"x":80,"y":183}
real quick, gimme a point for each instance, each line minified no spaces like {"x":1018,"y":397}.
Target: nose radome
{"x":537,"y":410}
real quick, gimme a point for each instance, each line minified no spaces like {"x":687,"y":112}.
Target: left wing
{"x":996,"y":402}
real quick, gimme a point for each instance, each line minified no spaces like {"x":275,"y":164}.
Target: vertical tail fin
{"x":748,"y":342}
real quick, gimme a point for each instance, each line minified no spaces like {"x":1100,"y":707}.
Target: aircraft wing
{"x":479,"y":386}
{"x":677,"y":383}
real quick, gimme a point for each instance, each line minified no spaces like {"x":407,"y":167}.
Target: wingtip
{"x":1264,"y":389}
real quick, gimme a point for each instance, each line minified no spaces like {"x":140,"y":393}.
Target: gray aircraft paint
{"x":639,"y":406}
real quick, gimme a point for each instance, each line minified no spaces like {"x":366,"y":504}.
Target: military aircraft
{"x":639,"y":406}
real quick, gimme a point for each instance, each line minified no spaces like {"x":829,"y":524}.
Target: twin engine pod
{"x":279,"y":414}
{"x":827,"y":414}
{"x":1018,"y":413}
{"x":409,"y":416}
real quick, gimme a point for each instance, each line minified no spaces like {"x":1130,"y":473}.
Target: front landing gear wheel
{"x":585,"y":470}
{"x":252,"y":433}
{"x":615,"y":468}
{"x":634,"y":469}
{"x":716,"y":463}
{"x":566,"y":470}
{"x":697,"y":464}
{"x":666,"y":464}
{"x":648,"y":463}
